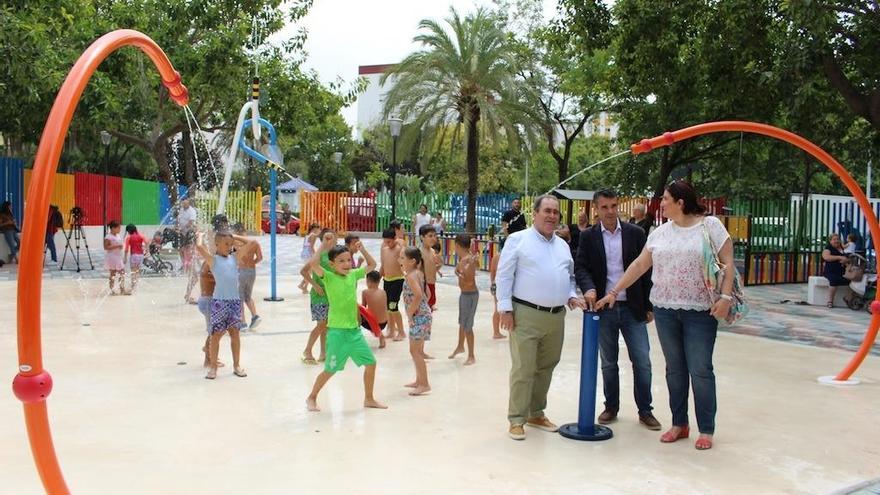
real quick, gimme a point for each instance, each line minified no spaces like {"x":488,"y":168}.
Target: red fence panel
{"x":361,"y":212}
{"x":89,"y":193}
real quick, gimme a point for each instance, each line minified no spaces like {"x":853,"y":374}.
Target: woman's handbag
{"x":855,"y":268}
{"x":713,"y":274}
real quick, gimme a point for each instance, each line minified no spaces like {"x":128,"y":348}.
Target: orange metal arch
{"x":669,"y":138}
{"x":32,"y":376}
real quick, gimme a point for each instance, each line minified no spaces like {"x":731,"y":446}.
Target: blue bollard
{"x":586,"y":427}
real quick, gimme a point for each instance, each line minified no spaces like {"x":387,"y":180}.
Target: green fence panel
{"x":140,"y":202}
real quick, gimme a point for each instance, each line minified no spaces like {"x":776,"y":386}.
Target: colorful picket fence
{"x":781,"y":268}
{"x":12,"y":185}
{"x":63,"y":192}
{"x":241,"y":206}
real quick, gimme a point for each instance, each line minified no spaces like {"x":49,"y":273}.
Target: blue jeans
{"x":12,"y":240}
{"x":612,"y":322}
{"x":688,"y":340}
{"x":50,"y":243}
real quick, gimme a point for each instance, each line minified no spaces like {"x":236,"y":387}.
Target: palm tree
{"x":464,"y":75}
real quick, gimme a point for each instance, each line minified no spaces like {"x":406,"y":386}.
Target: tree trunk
{"x":473,"y":157}
{"x":666,"y":167}
{"x":189,"y":171}
{"x":160,"y":154}
{"x":562,"y":162}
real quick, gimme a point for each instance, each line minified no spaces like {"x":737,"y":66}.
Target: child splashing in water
{"x":113,"y":258}
{"x":419,"y":315}
{"x":344,"y":337}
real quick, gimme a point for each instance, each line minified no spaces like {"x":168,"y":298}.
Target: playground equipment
{"x":586,"y":427}
{"x":33,"y":384}
{"x":274,"y":164}
{"x":668,"y":138}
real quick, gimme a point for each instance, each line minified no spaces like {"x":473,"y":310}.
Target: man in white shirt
{"x":535,"y":280}
{"x":421,"y":219}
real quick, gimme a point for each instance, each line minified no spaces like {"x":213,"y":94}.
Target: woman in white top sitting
{"x":686,"y":318}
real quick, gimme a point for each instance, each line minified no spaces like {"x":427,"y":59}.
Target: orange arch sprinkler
{"x":668,"y":138}
{"x":33,"y":384}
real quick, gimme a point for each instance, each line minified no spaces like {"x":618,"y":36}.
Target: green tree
{"x":464,"y":75}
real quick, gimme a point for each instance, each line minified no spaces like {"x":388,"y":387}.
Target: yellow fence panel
{"x":63,"y":194}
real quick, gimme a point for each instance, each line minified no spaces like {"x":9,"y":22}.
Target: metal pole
{"x":585,"y":428}
{"x":394,"y":179}
{"x":104,"y":203}
{"x":868,"y":185}
{"x":273,"y":225}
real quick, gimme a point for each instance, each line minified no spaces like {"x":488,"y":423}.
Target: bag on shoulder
{"x":713,"y":274}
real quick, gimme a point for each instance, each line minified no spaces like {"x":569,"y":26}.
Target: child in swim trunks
{"x":376,"y":301}
{"x":466,"y":270}
{"x":320,"y":305}
{"x":393,"y":275}
{"x":419,"y":316}
{"x":225,"y":303}
{"x":344,"y":337}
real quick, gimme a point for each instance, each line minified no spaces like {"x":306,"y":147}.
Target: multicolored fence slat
{"x":165,"y":210}
{"x":12,"y":185}
{"x":140,"y":202}
{"x":241,"y":206}
{"x":782,"y":268}
{"x":89,"y":189}
{"x":63,"y":192}
{"x":327,"y":209}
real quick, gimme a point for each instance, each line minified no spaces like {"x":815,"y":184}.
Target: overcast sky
{"x":343,"y":34}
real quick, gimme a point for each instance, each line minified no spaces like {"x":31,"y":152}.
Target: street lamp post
{"x":394,"y":125}
{"x":105,"y":140}
{"x":337,"y":157}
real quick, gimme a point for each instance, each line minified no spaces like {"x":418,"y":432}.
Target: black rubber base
{"x":277,"y":299}
{"x":599,"y":433}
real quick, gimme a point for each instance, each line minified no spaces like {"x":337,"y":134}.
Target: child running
{"x":344,"y":337}
{"x":226,"y":302}
{"x":392,"y":248}
{"x":376,"y":301}
{"x":113,"y":259}
{"x":320,"y":305}
{"x":134,"y":253}
{"x":308,"y":250}
{"x":419,"y":316}
{"x":428,"y":235}
{"x":249,"y":254}
{"x":466,"y":270}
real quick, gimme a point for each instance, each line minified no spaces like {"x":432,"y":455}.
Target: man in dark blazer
{"x":604,"y":252}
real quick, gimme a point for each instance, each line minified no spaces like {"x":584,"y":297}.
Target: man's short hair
{"x":426,"y":229}
{"x":604,"y":193}
{"x":541,"y":198}
{"x":463,"y":240}
{"x":389,"y":233}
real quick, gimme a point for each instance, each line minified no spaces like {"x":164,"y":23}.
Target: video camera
{"x":77,"y":216}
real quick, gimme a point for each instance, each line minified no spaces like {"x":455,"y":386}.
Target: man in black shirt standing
{"x":514,"y":219}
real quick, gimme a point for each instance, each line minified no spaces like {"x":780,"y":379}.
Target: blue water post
{"x":273,"y":225}
{"x":586,"y":427}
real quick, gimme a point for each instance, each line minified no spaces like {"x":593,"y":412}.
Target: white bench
{"x":817,"y":292}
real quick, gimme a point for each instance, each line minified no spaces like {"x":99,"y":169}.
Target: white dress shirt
{"x":613,"y":242}
{"x":535,"y":269}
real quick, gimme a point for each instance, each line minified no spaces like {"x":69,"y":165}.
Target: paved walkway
{"x":839,"y":328}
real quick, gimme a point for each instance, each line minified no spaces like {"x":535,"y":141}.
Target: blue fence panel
{"x":12,"y":184}
{"x":165,"y":202}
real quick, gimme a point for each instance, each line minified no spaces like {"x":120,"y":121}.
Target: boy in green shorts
{"x":344,"y":337}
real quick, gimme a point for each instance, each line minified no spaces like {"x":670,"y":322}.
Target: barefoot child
{"x":113,"y":258}
{"x":134,"y":252}
{"x":466,"y":270}
{"x":429,"y":239}
{"x":393,"y":275}
{"x":308,"y":250}
{"x":351,"y":242}
{"x":249,"y":254}
{"x":344,"y":337}
{"x":438,"y":259}
{"x":419,"y":316}
{"x":493,"y":270}
{"x":206,"y":287}
{"x":226,"y":302}
{"x":320,"y":305}
{"x":376,"y":301}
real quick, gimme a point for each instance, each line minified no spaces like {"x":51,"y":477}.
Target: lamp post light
{"x":394,"y":124}
{"x":337,"y":158}
{"x":105,"y":140}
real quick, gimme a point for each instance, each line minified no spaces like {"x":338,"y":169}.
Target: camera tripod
{"x":76,"y":233}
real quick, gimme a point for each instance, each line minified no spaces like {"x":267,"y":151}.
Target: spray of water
{"x":600,"y":162}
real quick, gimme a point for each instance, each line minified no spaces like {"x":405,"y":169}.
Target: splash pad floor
{"x":127,"y":417}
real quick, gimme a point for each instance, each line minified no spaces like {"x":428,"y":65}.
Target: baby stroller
{"x":154,"y":261}
{"x":863,"y":285}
